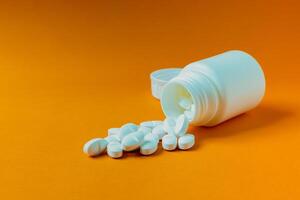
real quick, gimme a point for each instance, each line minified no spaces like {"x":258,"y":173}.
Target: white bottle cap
{"x":160,"y":78}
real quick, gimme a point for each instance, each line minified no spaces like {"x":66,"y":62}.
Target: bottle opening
{"x":177,"y":100}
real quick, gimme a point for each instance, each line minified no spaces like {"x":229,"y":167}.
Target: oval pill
{"x":151,"y":124}
{"x":145,"y":129}
{"x":189,"y":114}
{"x":159,"y":131}
{"x":127,"y":129}
{"x":114,"y":149}
{"x":95,"y":146}
{"x":181,"y":126}
{"x":186,"y":142}
{"x":193,"y":108}
{"x":151,"y":137}
{"x":169,"y":142}
{"x":169,"y":125}
{"x":112,"y":138}
{"x":113,"y":131}
{"x":157,"y":122}
{"x":185,"y":103}
{"x":148,"y":147}
{"x":132,"y":141}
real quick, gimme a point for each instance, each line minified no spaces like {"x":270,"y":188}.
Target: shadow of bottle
{"x":260,"y":117}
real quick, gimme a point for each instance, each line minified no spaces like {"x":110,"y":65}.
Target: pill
{"x":185,"y":103}
{"x":145,"y":129}
{"x":132,"y":141}
{"x":127,"y":129}
{"x":156,"y":122}
{"x":151,"y":137}
{"x":112,"y":138}
{"x":169,"y":125}
{"x":95,"y":146}
{"x":181,"y":126}
{"x":169,"y":142}
{"x":113,"y":131}
{"x":159,"y":131}
{"x":148,"y":147}
{"x":114,"y":149}
{"x":151,"y":124}
{"x":186,"y":142}
{"x":189,"y":114}
{"x":193,"y":108}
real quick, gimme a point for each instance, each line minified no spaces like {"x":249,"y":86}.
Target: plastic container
{"x":220,"y":87}
{"x":160,"y":78}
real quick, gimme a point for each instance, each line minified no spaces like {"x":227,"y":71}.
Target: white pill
{"x":148,"y":147}
{"x":113,"y":131}
{"x":182,"y":124}
{"x":159,"y":131}
{"x":148,"y":124}
{"x":169,"y":125}
{"x":189,"y":114}
{"x":185,"y":103}
{"x":112,"y":138}
{"x":145,"y":129}
{"x":193,"y":108}
{"x":132,"y":141}
{"x":151,"y":124}
{"x":114,"y":149}
{"x":151,"y":137}
{"x":95,"y":146}
{"x":169,"y":142}
{"x":127,"y":129}
{"x":157,"y":122}
{"x":186,"y":142}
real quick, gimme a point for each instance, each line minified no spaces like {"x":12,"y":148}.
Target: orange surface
{"x":72,"y":69}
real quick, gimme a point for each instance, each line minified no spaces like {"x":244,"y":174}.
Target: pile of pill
{"x":172,"y":132}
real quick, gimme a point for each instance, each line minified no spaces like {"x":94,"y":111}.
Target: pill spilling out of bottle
{"x":172,"y":132}
{"x":203,"y":93}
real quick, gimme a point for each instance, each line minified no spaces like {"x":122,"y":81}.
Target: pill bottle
{"x":220,"y":87}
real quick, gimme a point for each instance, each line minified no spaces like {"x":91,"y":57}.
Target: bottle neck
{"x":203,"y":93}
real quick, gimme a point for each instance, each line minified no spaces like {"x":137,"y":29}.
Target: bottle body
{"x":220,"y":87}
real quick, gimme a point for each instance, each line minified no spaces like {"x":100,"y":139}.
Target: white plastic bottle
{"x":220,"y":87}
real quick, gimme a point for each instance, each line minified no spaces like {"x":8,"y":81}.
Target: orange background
{"x":72,"y":69}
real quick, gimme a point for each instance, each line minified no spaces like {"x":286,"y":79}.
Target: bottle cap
{"x":160,"y":78}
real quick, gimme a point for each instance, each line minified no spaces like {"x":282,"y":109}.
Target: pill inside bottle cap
{"x":160,"y":78}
